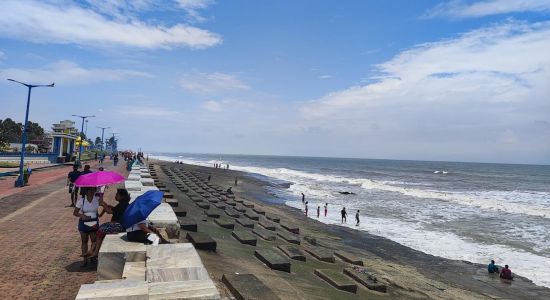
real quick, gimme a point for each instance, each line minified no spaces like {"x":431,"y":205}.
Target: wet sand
{"x":409,"y":274}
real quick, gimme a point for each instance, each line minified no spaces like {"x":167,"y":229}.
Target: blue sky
{"x":430,"y":80}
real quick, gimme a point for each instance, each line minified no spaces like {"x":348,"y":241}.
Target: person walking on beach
{"x":344,"y":215}
{"x":236,"y":180}
{"x":326,"y":209}
{"x":318,"y":211}
{"x":357,"y":218}
{"x":303,"y":198}
{"x":306,"y":208}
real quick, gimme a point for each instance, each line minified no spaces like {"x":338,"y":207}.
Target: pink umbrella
{"x":98,"y":179}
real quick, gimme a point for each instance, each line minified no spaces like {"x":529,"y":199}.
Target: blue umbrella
{"x":141,"y":208}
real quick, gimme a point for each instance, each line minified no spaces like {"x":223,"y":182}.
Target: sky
{"x":422,"y":80}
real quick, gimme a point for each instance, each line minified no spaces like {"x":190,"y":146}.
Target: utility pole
{"x":102,"y":134}
{"x":81,"y":139}
{"x":20,"y":180}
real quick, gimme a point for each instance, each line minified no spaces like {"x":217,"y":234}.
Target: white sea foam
{"x":443,"y":244}
{"x":514,"y":202}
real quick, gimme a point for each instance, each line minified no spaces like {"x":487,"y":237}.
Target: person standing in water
{"x":318,"y":211}
{"x":236,"y":180}
{"x":303,"y":198}
{"x":306,"y":208}
{"x":344,"y":215}
{"x":326,"y":209}
{"x":357,"y":218}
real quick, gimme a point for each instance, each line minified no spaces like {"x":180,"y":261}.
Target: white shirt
{"x":135,"y":227}
{"x":88,"y":208}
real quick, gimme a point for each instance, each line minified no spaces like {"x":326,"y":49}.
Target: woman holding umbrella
{"x":87,"y":208}
{"x":88,"y":222}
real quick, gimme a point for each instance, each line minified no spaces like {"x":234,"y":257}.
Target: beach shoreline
{"x":432,"y":276}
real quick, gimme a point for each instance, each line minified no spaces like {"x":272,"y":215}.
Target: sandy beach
{"x":407,"y":273}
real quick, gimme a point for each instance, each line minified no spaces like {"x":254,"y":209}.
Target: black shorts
{"x":138,"y":236}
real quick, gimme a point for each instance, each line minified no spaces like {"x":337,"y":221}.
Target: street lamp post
{"x":113,"y":142}
{"x":82,"y":130}
{"x":102,"y":134}
{"x":20,"y":180}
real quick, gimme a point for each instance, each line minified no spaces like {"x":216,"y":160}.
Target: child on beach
{"x":306,"y":208}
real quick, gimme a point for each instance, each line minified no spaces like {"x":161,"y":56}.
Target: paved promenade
{"x":40,"y":244}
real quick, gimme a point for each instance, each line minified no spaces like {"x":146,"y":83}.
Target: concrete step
{"x":114,"y":253}
{"x":245,"y":222}
{"x":369,"y":281}
{"x":321,"y":254}
{"x":190,"y":289}
{"x":134,"y":270}
{"x":289,"y":237}
{"x":349,"y":258}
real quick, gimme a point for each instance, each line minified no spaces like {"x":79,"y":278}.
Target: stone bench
{"x":225,"y":223}
{"x":116,"y":290}
{"x":321,"y":254}
{"x":133,"y":177}
{"x":190,"y":289}
{"x":290,"y":227}
{"x":174,"y":262}
{"x":245,"y":222}
{"x":133,"y":185}
{"x":348,"y":258}
{"x":367,"y":280}
{"x":115,"y":251}
{"x":273,"y":218}
{"x":337,"y":279}
{"x":163,"y":216}
{"x":201,"y":241}
{"x":147,"y":181}
{"x":248,"y":286}
{"x":293,"y":252}
{"x":267,"y":225}
{"x":273,"y":260}
{"x":289,"y":237}
{"x":188,"y":224}
{"x":244,"y":237}
{"x":264,"y":234}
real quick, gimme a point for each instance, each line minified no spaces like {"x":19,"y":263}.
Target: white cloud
{"x":463,"y":9}
{"x":68,"y":73}
{"x":68,"y":23}
{"x":325,"y":76}
{"x":192,"y":7}
{"x":474,"y":93}
{"x":146,"y":111}
{"x":212,"y":106}
{"x":211,"y":83}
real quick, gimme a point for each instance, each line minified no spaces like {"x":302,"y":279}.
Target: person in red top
{"x":506,"y":273}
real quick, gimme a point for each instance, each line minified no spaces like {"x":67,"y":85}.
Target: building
{"x":63,"y":136}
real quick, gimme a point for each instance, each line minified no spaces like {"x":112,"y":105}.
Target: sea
{"x":463,"y":211}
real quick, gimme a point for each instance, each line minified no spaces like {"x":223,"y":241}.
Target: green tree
{"x":10,"y":131}
{"x":97,"y":141}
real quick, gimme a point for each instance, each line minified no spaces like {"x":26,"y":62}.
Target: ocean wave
{"x":513,"y":202}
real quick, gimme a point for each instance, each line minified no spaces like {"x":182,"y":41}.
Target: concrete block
{"x":164,"y":216}
{"x":116,"y":290}
{"x":349,"y":258}
{"x":248,"y":286}
{"x":201,"y":241}
{"x":273,"y":260}
{"x":174,"y":262}
{"x":321,"y":254}
{"x":369,"y":281}
{"x":337,"y":279}
{"x":264,"y":234}
{"x":289,"y":237}
{"x":132,"y":186}
{"x":191,"y":289}
{"x":134,"y":270}
{"x":147,"y":181}
{"x":244,"y":237}
{"x":245,"y":222}
{"x":133,"y":177}
{"x":293,"y":252}
{"x":115,"y":251}
{"x":224,"y":222}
